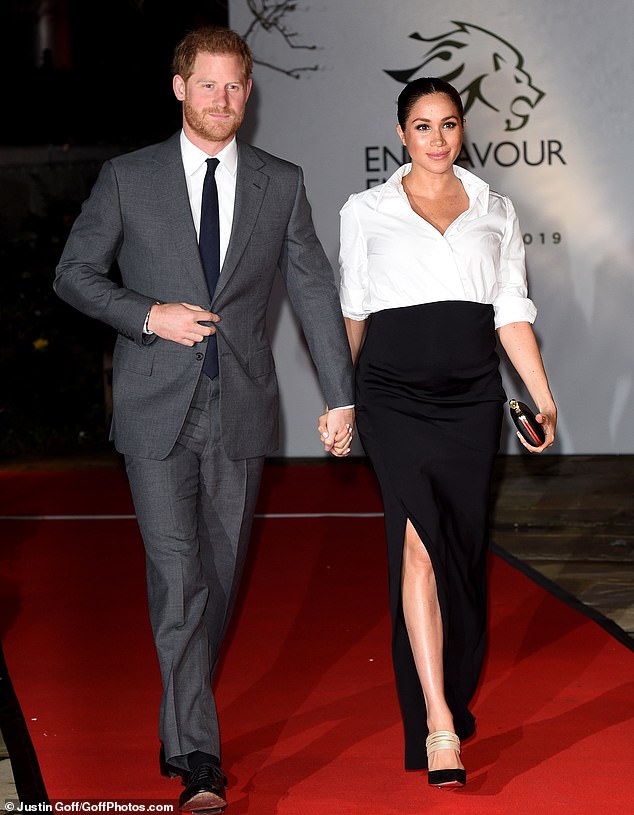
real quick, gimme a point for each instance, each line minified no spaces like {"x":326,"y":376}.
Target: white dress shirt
{"x":391,"y":257}
{"x":194,"y":163}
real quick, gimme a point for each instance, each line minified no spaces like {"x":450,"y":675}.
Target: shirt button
{"x":199,"y":355}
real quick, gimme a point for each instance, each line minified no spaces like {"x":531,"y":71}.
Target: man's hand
{"x":181,"y":322}
{"x":336,"y":430}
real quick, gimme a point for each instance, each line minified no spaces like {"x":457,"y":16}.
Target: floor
{"x":568,"y":518}
{"x":571,"y":518}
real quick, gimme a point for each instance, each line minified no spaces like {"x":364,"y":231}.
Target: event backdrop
{"x":548,"y":91}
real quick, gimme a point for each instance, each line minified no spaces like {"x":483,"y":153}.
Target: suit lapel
{"x":170,"y":188}
{"x":251,"y":184}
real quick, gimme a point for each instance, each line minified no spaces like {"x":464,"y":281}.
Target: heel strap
{"x":442,"y":740}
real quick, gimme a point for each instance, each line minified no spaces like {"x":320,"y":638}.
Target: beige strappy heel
{"x":444,"y":740}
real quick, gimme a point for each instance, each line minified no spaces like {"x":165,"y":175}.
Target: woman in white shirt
{"x":432,"y":263}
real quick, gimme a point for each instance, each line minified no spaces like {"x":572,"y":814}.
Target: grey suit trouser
{"x":194,"y":510}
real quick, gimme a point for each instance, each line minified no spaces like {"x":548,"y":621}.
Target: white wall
{"x":573,"y":175}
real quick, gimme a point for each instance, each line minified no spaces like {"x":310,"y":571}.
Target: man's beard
{"x":212,"y":129}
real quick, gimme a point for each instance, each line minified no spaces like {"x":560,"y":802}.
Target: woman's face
{"x":433,"y":133}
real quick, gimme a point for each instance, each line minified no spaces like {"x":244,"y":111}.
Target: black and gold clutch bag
{"x":526,"y":423}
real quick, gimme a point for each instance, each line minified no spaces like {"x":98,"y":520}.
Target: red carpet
{"x":306,"y":697}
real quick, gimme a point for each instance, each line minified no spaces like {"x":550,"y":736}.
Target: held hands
{"x":548,"y":420}
{"x":181,"y":322}
{"x":336,"y":430}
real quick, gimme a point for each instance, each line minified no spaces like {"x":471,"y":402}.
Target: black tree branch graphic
{"x":270,"y":16}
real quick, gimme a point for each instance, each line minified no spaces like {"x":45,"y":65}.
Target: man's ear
{"x":178,"y":84}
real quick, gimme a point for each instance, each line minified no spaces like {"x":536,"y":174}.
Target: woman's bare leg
{"x":424,"y":627}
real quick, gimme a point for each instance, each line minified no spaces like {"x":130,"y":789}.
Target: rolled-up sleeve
{"x":353,"y":264}
{"x":512,"y":304}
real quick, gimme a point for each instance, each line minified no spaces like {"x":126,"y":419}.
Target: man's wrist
{"x":342,"y":407}
{"x":146,"y":324}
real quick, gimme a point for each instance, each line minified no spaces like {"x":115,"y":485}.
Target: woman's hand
{"x":336,"y":430}
{"x":547,"y":418}
{"x":518,"y":340}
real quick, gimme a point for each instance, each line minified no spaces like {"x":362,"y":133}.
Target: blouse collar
{"x":476,"y":189}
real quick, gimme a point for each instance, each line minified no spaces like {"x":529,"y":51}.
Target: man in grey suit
{"x":194,"y":386}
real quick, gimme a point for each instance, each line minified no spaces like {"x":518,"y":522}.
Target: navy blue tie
{"x":209,"y":245}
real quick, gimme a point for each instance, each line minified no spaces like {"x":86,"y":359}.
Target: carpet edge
{"x":566,"y":597}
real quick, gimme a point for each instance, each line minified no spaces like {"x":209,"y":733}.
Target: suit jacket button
{"x":200,"y":356}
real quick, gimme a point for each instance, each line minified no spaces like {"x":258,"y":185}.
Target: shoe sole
{"x":448,"y":785}
{"x":204,"y":802}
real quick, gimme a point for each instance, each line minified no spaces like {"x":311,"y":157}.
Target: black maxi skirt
{"x":429,"y":410}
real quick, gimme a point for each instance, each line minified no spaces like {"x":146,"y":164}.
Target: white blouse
{"x":391,"y":257}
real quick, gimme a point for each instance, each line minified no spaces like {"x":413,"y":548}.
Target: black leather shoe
{"x":169,"y":770}
{"x":205,"y":790}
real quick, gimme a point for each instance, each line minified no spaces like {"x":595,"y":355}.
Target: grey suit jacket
{"x":138,"y":214}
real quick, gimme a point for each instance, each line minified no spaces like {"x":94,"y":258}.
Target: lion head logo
{"x":483,"y":68}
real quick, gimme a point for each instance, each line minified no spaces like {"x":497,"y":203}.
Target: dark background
{"x":105,"y":77}
{"x":100,"y":86}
